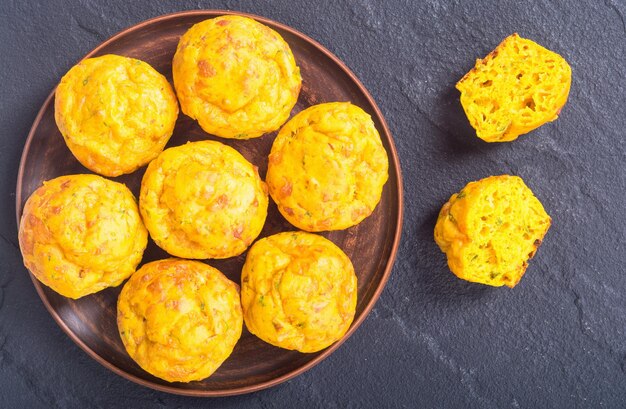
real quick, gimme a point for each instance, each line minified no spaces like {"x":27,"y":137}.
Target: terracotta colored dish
{"x":371,"y":245}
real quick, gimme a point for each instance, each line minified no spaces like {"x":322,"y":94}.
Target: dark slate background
{"x":557,"y":340}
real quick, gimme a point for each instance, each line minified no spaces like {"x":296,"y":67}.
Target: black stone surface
{"x":557,"y":340}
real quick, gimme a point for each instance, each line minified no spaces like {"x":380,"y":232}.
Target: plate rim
{"x":210,"y":13}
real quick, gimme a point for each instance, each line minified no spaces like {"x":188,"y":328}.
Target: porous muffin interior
{"x":518,"y":87}
{"x":507,"y":227}
{"x":490,"y":229}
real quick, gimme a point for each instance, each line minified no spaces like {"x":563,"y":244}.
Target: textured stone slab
{"x":557,"y":340}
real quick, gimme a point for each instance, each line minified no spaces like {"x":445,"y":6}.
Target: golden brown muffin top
{"x":298,"y":292}
{"x":236,"y":76}
{"x":115,"y":113}
{"x":179,"y":319}
{"x":81,"y":233}
{"x":203,"y":200}
{"x":327,"y":167}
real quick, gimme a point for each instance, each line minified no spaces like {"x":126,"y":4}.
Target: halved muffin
{"x":518,"y":87}
{"x":490,"y":229}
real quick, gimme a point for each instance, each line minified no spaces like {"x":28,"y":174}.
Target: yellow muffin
{"x":236,"y":77}
{"x":203,"y":200}
{"x":327,"y":167}
{"x":179,"y":319}
{"x":298,"y":291}
{"x":490,"y":229}
{"x":81,"y":233}
{"x":518,"y":87}
{"x":115,"y":113}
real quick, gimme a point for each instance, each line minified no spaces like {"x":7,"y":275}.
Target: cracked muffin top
{"x":298,"y":291}
{"x":115,"y":113}
{"x":179,"y":319}
{"x":80,"y":234}
{"x":327,"y":167}
{"x":237,"y":77}
{"x":203,"y":200}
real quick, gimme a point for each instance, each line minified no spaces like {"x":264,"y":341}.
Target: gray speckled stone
{"x":557,"y":340}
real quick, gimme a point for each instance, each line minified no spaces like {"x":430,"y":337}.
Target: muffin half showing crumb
{"x":80,"y":234}
{"x":115,"y":113}
{"x":298,"y":291}
{"x":518,"y":87}
{"x":490,"y":229}
{"x":179,"y":319}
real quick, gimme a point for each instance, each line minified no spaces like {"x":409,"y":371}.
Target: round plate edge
{"x":388,"y":268}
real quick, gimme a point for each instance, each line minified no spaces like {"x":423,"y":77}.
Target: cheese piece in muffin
{"x":327,"y":167}
{"x":203,"y":200}
{"x":298,"y":291}
{"x":179,"y":319}
{"x":490,"y":229}
{"x":115,"y":113}
{"x":236,"y":77}
{"x":518,"y":87}
{"x":80,"y":234}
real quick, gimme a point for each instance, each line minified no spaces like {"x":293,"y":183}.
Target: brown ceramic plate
{"x":372,"y":245}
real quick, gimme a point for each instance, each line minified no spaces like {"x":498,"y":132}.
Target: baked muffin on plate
{"x":236,"y":77}
{"x":490,"y":229}
{"x":327,"y":167}
{"x":203,"y":200}
{"x":298,"y":291}
{"x":115,"y":113}
{"x":80,"y":234}
{"x":179,"y":319}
